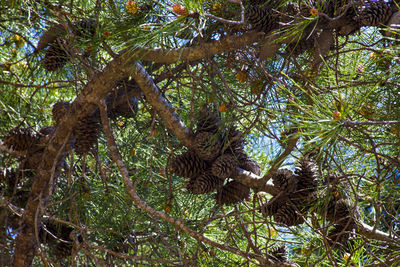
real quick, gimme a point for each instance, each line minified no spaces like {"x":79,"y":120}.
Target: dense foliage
{"x":199,"y":133}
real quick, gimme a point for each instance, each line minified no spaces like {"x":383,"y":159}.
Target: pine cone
{"x":85,"y":28}
{"x":59,"y":110}
{"x":342,"y":213}
{"x":297,"y":48}
{"x":86,"y":134}
{"x":374,"y":13}
{"x":232,"y":193}
{"x":207,"y":121}
{"x":124,"y":107}
{"x":207,"y":146}
{"x":288,"y":216}
{"x":236,"y":142}
{"x":250,"y":165}
{"x":339,"y":235}
{"x":188,"y":165}
{"x":50,"y":36}
{"x":204,"y":183}
{"x":224,"y":166}
{"x":271,"y":207}
{"x":278,"y":253}
{"x":20,"y":139}
{"x":56,"y":55}
{"x":285,"y":180}
{"x":261,"y":19}
{"x":307,"y":179}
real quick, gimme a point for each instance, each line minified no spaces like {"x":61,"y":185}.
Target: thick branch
{"x":225,"y":44}
{"x":55,"y":152}
{"x":372,"y":233}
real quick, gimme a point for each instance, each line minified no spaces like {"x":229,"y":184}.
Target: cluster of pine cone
{"x":16,"y":183}
{"x":59,"y":47}
{"x":265,"y":15}
{"x":58,"y":238}
{"x":216,"y":155}
{"x":340,"y":211}
{"x":87,"y":131}
{"x":297,"y":194}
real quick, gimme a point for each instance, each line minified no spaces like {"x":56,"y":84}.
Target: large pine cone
{"x":342,"y":212}
{"x":20,"y":139}
{"x":188,"y":165}
{"x":56,"y":55}
{"x":288,"y":216}
{"x":86,"y":133}
{"x":271,"y":207}
{"x":375,"y":13}
{"x":232,"y":193}
{"x":204,"y":183}
{"x":207,"y":146}
{"x":207,"y":121}
{"x":261,"y":19}
{"x":307,"y":179}
{"x":285,"y":180}
{"x":224,"y":166}
{"x":59,"y":110}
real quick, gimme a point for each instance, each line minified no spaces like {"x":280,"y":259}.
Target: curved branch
{"x":225,"y":44}
{"x":56,"y":150}
{"x":372,"y":233}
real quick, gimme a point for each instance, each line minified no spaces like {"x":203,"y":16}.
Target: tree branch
{"x":83,"y":105}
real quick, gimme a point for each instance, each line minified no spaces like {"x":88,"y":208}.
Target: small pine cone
{"x":124,"y":107}
{"x":56,"y":55}
{"x":188,"y":165}
{"x":285,"y":180}
{"x":271,"y":207}
{"x":307,"y":176}
{"x":207,"y":122}
{"x":250,"y":165}
{"x":342,"y":212}
{"x":85,"y":28}
{"x":232,"y":193}
{"x":20,"y":139}
{"x":339,"y":235}
{"x":374,"y":13}
{"x":297,"y":48}
{"x":278,"y":253}
{"x":261,"y":19}
{"x":59,"y":110}
{"x":205,"y":183}
{"x":224,"y":166}
{"x":288,"y":216}
{"x":207,"y":146}
{"x":86,"y":134}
